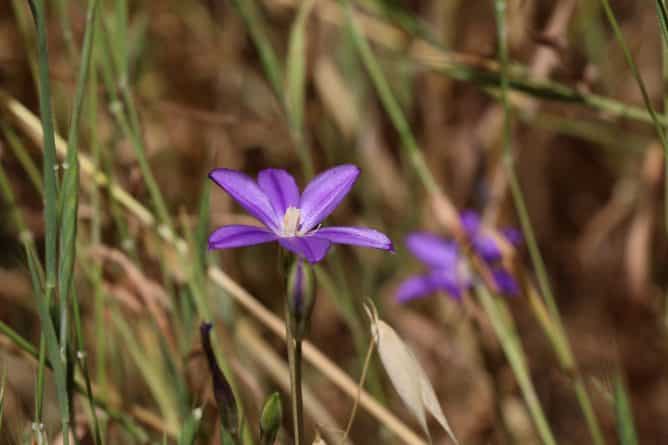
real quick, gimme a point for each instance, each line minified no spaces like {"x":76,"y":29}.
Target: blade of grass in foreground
{"x":69,"y":193}
{"x":645,"y":95}
{"x":558,"y":333}
{"x":126,"y":421}
{"x":51,"y":223}
{"x":52,"y":347}
{"x":515,"y":355}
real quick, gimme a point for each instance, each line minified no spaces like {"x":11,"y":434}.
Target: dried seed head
{"x":406,"y":374}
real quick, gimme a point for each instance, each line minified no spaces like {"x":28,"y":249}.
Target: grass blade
{"x":558,"y":332}
{"x":251,"y":16}
{"x":625,"y":428}
{"x":69,"y":194}
{"x":515,"y":355}
{"x":390,"y":103}
{"x":51,"y":222}
{"x":612,"y":19}
{"x":295,"y":83}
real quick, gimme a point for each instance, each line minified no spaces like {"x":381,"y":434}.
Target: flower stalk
{"x":299,"y":302}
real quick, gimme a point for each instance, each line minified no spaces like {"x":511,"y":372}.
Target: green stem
{"x":294,"y":343}
{"x":559,"y":333}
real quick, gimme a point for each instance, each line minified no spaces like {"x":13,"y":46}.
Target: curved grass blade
{"x":625,"y":428}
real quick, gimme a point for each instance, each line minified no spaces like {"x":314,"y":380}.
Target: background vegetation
{"x":545,"y":115}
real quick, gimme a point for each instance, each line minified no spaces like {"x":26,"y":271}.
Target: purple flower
{"x":448,"y":270}
{"x":291,"y":218}
{"x":486,"y":245}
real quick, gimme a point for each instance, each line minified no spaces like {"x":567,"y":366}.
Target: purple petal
{"x":324,"y":193}
{"x":448,"y":280}
{"x":487,"y":247}
{"x":355,"y":236}
{"x":470,"y":222}
{"x":280,"y":188}
{"x":415,"y":287}
{"x":238,"y":235}
{"x":247,"y":193}
{"x":505,"y":283}
{"x":513,"y":236}
{"x":312,"y":249}
{"x":433,"y":250}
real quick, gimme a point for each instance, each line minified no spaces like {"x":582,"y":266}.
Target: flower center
{"x":291,"y":222}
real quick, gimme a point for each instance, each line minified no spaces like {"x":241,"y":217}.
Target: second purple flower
{"x":291,"y":218}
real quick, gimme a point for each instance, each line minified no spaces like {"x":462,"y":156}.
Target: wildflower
{"x":291,"y":218}
{"x":449,"y":271}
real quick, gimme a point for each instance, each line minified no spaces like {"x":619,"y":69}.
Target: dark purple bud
{"x":222,"y":391}
{"x":301,"y":294}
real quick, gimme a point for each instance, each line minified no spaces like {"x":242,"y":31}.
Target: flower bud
{"x":222,"y":391}
{"x":301,"y":295}
{"x":271,"y":419}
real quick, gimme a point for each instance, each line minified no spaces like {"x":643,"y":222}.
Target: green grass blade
{"x":202,"y":231}
{"x":123,"y":109}
{"x":62,"y":6}
{"x":124,"y":420}
{"x":18,"y":149}
{"x":82,"y":360}
{"x":515,"y":355}
{"x":295,"y":84}
{"x":51,"y":222}
{"x":390,"y":103}
{"x":69,"y":194}
{"x":50,"y":163}
{"x":612,"y":19}
{"x":256,"y":27}
{"x":52,"y":346}
{"x":662,"y":13}
{"x":624,"y":414}
{"x":190,"y":428}
{"x":558,"y":334}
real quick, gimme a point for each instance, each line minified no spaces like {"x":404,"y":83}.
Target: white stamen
{"x":291,"y":222}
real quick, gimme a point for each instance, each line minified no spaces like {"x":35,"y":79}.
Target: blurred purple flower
{"x":486,"y":245}
{"x":448,"y":272}
{"x":291,"y":218}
